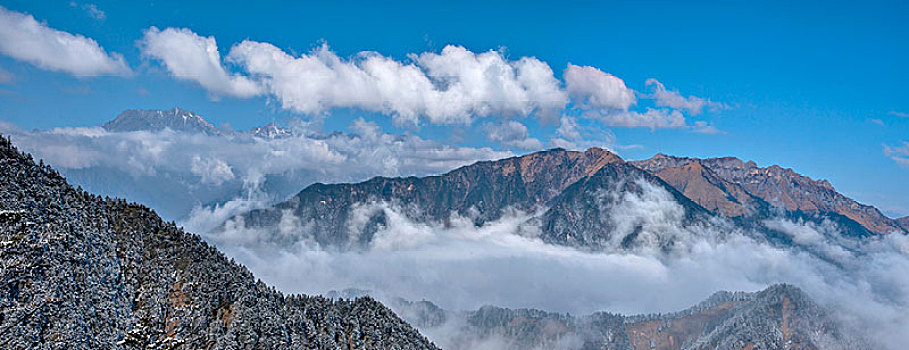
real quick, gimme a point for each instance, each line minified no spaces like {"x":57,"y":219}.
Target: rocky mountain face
{"x":599,"y":212}
{"x":779,"y":317}
{"x":904,"y":222}
{"x":341,"y":215}
{"x":84,"y":272}
{"x":780,"y":187}
{"x":590,"y":200}
{"x":154,"y":120}
{"x":711,"y":191}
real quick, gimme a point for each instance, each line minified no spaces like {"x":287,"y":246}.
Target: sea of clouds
{"x":461,"y":266}
{"x":201,"y":181}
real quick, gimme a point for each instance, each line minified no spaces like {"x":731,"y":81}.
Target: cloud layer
{"x":25,"y":39}
{"x":461,"y":266}
{"x":175,"y":171}
{"x":899,"y":154}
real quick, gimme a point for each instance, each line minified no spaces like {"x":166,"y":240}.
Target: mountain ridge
{"x":779,"y":316}
{"x":781,"y":187}
{"x":572,"y":194}
{"x":83,"y":271}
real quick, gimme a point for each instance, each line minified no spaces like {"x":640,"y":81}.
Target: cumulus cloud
{"x":24,"y":38}
{"x":189,"y":56}
{"x":453,"y":86}
{"x":593,"y":87}
{"x":512,"y":134}
{"x":899,"y":154}
{"x":673,"y":99}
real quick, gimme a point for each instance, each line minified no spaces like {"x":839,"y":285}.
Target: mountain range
{"x":181,"y":120}
{"x":104,"y":273}
{"x":83,"y":271}
{"x":779,"y":317}
{"x":574,"y":193}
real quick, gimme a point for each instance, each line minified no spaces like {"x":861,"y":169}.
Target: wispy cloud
{"x":703,"y":127}
{"x":512,"y":134}
{"x":651,"y":118}
{"x":899,"y":154}
{"x":899,"y":114}
{"x":574,"y":136}
{"x":25,"y":39}
{"x":673,"y":99}
{"x":6,"y":77}
{"x":91,"y":10}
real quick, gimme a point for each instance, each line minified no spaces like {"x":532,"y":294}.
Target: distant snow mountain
{"x":271,"y":131}
{"x":181,"y":120}
{"x":175,"y":119}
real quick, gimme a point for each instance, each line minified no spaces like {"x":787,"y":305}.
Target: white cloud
{"x":673,"y":99}
{"x":454,"y":86}
{"x":91,"y":10}
{"x":573,"y":136}
{"x":197,"y":169}
{"x":593,"y":87}
{"x":512,"y":134}
{"x":25,"y":39}
{"x":899,"y":114}
{"x":189,"y":56}
{"x":652,"y":118}
{"x":211,"y":170}
{"x":899,"y":154}
{"x":703,"y":128}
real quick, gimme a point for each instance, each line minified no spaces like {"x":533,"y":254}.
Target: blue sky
{"x":815,"y":86}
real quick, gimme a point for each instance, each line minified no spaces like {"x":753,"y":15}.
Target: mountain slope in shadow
{"x":84,"y":272}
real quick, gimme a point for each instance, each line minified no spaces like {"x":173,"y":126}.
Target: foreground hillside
{"x":81,"y":271}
